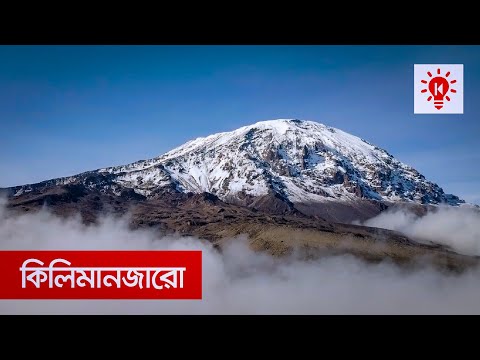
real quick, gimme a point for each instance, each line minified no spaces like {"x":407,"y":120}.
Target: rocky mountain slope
{"x":302,"y":161}
{"x":286,"y":184}
{"x":207,"y":217}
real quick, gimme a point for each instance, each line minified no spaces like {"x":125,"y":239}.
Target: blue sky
{"x":68,"y":109}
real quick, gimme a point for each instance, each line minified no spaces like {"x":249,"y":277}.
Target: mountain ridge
{"x":299,"y":160}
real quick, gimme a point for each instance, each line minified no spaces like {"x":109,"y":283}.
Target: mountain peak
{"x":298,"y":160}
{"x":283,"y":125}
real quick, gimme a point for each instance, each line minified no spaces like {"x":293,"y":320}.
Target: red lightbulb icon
{"x":439,"y":87}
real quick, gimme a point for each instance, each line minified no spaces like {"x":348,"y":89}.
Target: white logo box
{"x":438,"y":88}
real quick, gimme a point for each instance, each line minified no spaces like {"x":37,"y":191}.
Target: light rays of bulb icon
{"x":439,"y":86}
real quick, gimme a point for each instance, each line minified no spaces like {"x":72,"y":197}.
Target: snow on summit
{"x":300,"y":160}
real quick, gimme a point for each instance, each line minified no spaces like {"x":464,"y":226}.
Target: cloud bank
{"x":240,"y":281}
{"x":455,"y":227}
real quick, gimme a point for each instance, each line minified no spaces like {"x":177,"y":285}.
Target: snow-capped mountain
{"x":301,"y":161}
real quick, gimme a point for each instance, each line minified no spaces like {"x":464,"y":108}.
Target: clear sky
{"x":68,"y":109}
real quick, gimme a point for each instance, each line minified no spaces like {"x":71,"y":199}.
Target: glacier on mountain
{"x":297,"y":159}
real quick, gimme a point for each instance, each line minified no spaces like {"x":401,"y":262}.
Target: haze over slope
{"x":242,"y":281}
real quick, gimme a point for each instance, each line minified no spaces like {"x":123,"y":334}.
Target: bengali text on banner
{"x":156,"y":274}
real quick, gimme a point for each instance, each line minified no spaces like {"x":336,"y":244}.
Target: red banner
{"x":101,"y":274}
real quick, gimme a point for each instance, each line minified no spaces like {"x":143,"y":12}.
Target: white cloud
{"x":241,"y":281}
{"x":455,"y":227}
